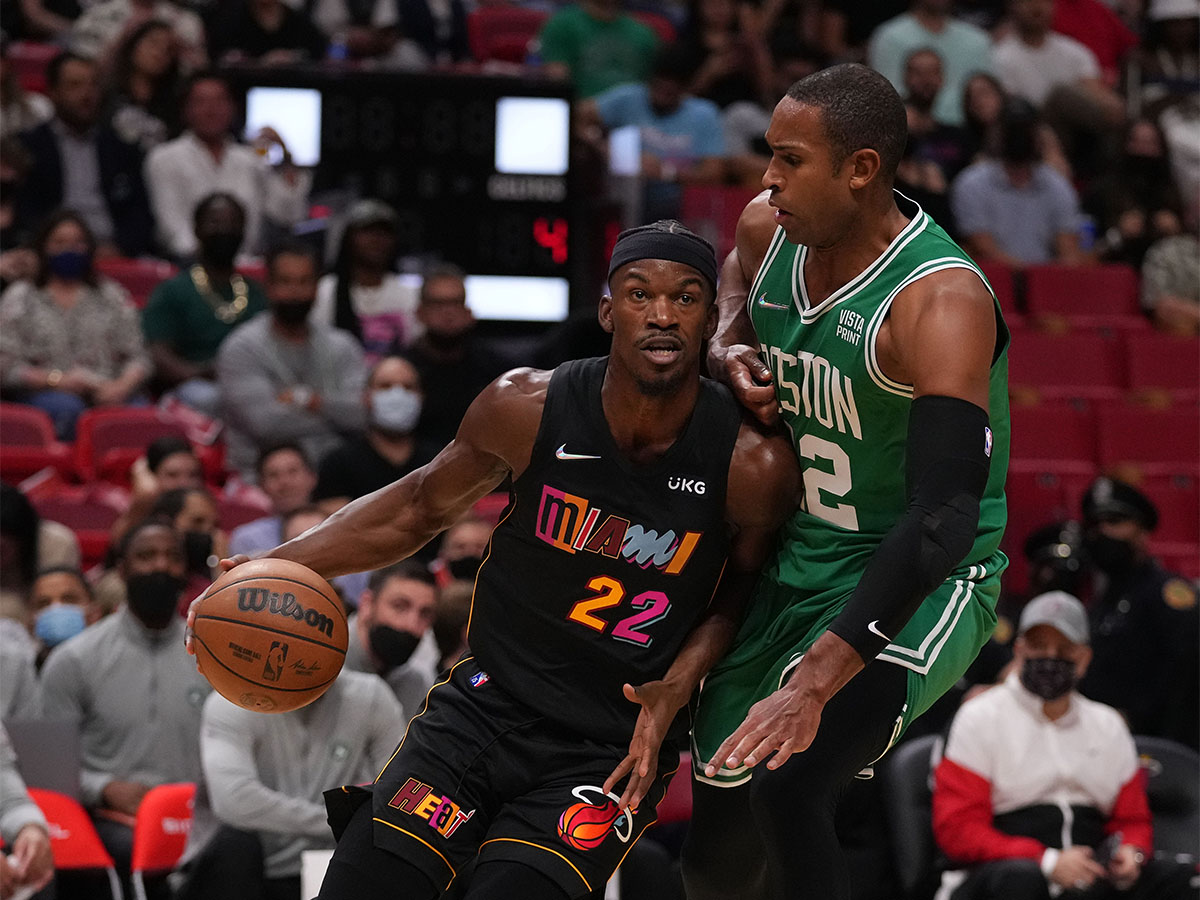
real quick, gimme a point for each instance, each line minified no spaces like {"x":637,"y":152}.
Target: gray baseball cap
{"x":1059,"y":610}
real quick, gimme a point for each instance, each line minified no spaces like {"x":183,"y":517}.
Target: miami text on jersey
{"x":569,"y":522}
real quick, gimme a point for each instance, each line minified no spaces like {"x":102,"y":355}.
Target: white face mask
{"x":396,"y":409}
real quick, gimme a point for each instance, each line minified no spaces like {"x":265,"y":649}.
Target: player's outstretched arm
{"x":495,"y":438}
{"x":941,"y":339}
{"x":733,"y":350}
{"x":763,"y":490}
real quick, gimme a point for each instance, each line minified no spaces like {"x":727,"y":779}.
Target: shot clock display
{"x":477,"y":167}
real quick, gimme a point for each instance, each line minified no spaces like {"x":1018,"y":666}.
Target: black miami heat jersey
{"x":600,"y":567}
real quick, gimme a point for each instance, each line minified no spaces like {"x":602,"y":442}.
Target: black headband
{"x":643,"y":243}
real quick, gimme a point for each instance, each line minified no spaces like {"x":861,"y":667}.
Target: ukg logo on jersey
{"x":571,"y":524}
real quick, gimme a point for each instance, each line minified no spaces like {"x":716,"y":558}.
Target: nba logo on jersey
{"x":987,"y":442}
{"x":479,"y":679}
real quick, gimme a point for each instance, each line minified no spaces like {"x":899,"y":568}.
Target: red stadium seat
{"x":1165,"y":365}
{"x":74,"y":843}
{"x":664,"y":30}
{"x":713,"y":212}
{"x":1087,"y":295}
{"x":28,"y":444}
{"x":138,"y":276}
{"x":1077,"y":364}
{"x":84,"y":513}
{"x":1177,"y":498}
{"x":1181,"y":558}
{"x":1143,"y":442}
{"x":109,"y":440}
{"x":232,"y":513}
{"x":160,"y":831}
{"x":676,"y":804}
{"x":1056,"y":436}
{"x":503,"y":33}
{"x":1000,"y":277}
{"x":29,"y":61}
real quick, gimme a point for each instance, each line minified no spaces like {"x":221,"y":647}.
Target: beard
{"x":665,"y":384}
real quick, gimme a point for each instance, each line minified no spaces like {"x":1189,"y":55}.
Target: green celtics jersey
{"x":848,"y":419}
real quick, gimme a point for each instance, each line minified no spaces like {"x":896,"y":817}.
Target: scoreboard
{"x":477,"y":167}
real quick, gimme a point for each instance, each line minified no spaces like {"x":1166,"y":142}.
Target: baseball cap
{"x":1059,"y":610}
{"x":1109,"y":499}
{"x":371,"y":212}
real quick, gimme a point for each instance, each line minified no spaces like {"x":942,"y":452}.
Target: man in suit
{"x":80,"y":162}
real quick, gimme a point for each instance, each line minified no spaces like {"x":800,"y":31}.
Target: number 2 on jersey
{"x":836,"y":483}
{"x":654,"y":605}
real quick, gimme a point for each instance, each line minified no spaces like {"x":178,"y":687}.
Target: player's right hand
{"x":751,"y":382}
{"x":224,"y":566}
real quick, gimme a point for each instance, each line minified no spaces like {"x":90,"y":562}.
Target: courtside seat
{"x":160,"y":832}
{"x":906,"y":774}
{"x":1173,"y":789}
{"x":74,"y":843}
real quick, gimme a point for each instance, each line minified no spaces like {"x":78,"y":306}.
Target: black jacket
{"x":120,"y":180}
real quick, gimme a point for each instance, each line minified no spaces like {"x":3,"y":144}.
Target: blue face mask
{"x":58,"y":622}
{"x":70,"y":265}
{"x":396,"y":409}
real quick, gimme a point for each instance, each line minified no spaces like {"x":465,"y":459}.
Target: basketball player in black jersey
{"x":642,"y":509}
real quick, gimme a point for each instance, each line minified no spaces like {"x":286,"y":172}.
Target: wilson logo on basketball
{"x":252,"y":599}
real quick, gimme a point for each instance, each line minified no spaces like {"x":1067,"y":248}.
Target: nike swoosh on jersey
{"x":562,"y":453}
{"x":763,"y":301}
{"x":873,"y":627}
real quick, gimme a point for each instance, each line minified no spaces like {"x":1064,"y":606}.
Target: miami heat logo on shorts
{"x":586,"y":824}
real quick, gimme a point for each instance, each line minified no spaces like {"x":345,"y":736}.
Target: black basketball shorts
{"x":477,"y":773}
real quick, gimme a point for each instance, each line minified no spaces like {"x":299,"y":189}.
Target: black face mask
{"x":1049,"y":678}
{"x":197,"y":548}
{"x":465,"y":569}
{"x":392,"y":646}
{"x":220,"y":247}
{"x":154,"y":597}
{"x":291,"y":314}
{"x":1113,"y":557}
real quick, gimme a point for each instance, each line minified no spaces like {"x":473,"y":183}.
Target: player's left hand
{"x":783,"y":723}
{"x":189,"y":628}
{"x":660,"y":702}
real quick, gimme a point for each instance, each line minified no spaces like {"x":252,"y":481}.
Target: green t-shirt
{"x":179,"y":316}
{"x":599,"y":54}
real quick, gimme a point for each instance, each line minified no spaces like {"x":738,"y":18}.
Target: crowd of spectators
{"x":1039,"y":131}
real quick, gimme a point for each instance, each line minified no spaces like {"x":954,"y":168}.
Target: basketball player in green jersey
{"x":847,"y":312}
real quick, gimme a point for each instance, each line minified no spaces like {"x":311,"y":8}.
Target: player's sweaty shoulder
{"x":755,"y":228}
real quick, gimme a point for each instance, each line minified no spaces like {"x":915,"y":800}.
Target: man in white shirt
{"x":206,"y":159}
{"x":1055,"y":73}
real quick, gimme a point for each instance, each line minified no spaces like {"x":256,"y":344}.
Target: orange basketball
{"x":585,"y":826}
{"x":270,"y":635}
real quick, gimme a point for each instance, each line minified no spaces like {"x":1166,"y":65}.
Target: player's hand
{"x":751,"y":382}
{"x":33,"y":864}
{"x":1125,"y":867}
{"x":783,"y":723}
{"x":1076,"y":869}
{"x":188,"y":632}
{"x":660,"y":702}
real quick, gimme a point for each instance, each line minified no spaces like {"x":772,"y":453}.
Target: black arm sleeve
{"x":946,"y":471}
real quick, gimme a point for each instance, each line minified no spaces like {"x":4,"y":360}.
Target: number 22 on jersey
{"x":610,"y":592}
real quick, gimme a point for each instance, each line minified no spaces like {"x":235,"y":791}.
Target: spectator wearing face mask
{"x":389,"y":449}
{"x":131,"y":689}
{"x":462,"y":550}
{"x":193,"y":513}
{"x":391,"y":634}
{"x":189,"y":316}
{"x":1144,"y":619}
{"x":1039,"y":791}
{"x":285,"y":378}
{"x":62,"y":606}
